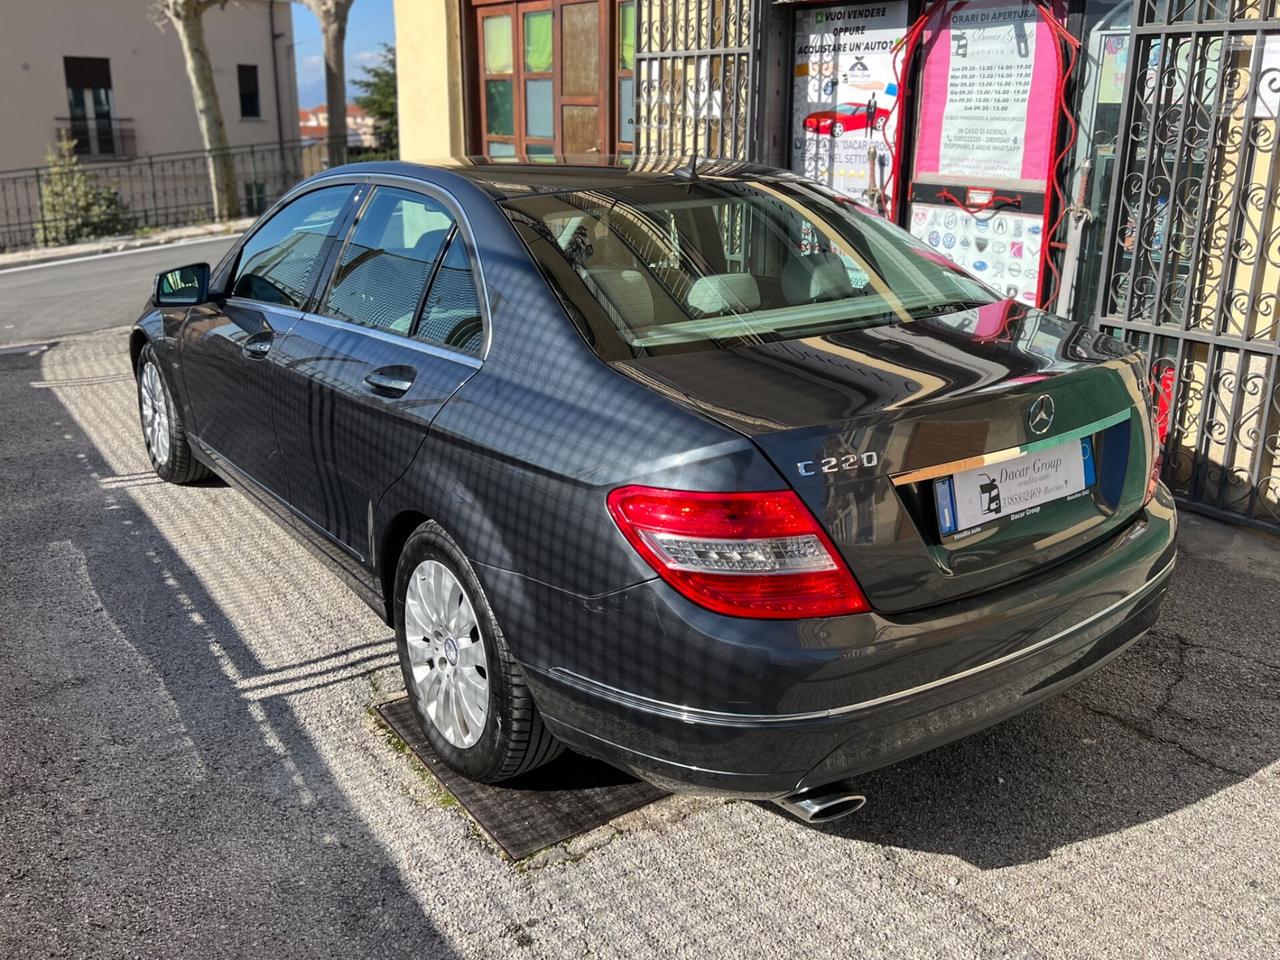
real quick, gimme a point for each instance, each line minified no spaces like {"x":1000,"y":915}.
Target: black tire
{"x":514,"y":739}
{"x":173,"y":461}
{"x":837,"y":130}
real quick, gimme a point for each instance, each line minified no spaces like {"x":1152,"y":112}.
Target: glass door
{"x":498,"y":80}
{"x":535,"y":101}
{"x":537,"y":67}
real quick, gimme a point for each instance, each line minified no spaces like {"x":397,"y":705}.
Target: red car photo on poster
{"x":844,"y":118}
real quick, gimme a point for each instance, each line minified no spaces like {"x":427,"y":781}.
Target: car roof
{"x":505,"y":180}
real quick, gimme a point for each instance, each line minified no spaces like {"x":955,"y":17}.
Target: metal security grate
{"x":694,"y":67}
{"x":1193,"y":269}
{"x":570,"y":795}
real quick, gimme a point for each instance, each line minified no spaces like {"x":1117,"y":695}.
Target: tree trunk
{"x":187,"y":19}
{"x":335,"y":86}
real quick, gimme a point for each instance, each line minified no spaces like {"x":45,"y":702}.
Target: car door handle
{"x":257,"y":346}
{"x":391,"y":381}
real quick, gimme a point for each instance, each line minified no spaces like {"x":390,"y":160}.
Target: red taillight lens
{"x":1162,"y":406}
{"x":742,"y":554}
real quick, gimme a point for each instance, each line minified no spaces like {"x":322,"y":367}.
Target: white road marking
{"x":119,"y":253}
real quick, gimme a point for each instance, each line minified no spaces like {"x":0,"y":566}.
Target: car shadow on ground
{"x":1188,"y":711}
{"x":167,"y":802}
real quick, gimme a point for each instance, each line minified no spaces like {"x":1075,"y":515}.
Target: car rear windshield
{"x":674,"y":266}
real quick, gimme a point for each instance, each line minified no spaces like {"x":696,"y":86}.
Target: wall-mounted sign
{"x":1001,"y":247}
{"x":843,"y":93}
{"x":988,"y":93}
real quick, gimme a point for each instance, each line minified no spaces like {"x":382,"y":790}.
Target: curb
{"x":122,"y":244}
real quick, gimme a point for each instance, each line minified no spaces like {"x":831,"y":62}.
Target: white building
{"x":116,"y":81}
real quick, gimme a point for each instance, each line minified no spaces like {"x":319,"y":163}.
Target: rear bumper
{"x":809,"y":702}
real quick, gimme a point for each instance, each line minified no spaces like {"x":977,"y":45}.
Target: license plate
{"x":983,"y":494}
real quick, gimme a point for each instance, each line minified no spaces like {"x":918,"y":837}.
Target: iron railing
{"x":1193,"y":269}
{"x":695,"y":78}
{"x":98,"y":138}
{"x":162,"y":190}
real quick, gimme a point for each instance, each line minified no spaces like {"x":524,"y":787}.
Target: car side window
{"x":278,"y":263}
{"x":388,"y":260}
{"x":451,"y":316}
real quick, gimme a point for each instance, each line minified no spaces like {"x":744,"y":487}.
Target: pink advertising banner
{"x":988,"y":98}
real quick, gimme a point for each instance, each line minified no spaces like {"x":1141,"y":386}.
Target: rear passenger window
{"x":278,"y":263}
{"x":388,"y":261}
{"x":451,"y":317}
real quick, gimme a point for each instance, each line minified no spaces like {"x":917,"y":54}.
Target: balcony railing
{"x":99,"y":138}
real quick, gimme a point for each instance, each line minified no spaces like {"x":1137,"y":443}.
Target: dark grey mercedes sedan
{"x":707,"y":472}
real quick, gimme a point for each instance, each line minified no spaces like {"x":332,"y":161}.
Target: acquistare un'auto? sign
{"x":844,"y":91}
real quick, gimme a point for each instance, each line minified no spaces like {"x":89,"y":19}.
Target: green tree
{"x":75,"y":204}
{"x":378,"y":99}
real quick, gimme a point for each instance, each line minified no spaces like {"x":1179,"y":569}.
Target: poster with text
{"x":988,"y":95}
{"x":1001,"y":248}
{"x":843,"y":93}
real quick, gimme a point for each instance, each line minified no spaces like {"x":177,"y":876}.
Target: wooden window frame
{"x":538,"y":6}
{"x":484,"y":12}
{"x":618,"y":74}
{"x":605,"y":98}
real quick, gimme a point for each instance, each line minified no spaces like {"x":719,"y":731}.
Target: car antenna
{"x":690,"y":170}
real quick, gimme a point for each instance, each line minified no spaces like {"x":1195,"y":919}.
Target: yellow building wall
{"x":429,"y":79}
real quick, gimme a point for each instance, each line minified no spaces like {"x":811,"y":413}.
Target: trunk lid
{"x":863,"y":424}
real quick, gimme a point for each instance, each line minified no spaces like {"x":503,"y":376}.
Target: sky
{"x":370,"y":24}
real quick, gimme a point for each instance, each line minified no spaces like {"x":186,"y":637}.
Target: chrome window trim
{"x":467,"y":232}
{"x":230,"y":261}
{"x":725,"y":718}
{"x":399,"y":339}
{"x":415,"y":185}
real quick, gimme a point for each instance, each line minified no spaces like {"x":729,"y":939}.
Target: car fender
{"x":162,"y":329}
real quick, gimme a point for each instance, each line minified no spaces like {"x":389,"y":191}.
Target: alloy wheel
{"x":155,"y":413}
{"x":446,"y":653}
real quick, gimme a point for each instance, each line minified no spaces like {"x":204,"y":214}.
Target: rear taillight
{"x":1161,"y":408}
{"x":742,"y":554}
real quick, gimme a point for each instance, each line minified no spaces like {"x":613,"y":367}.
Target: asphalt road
{"x":188,"y":766}
{"x":78,"y":296}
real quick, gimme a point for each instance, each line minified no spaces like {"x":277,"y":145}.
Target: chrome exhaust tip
{"x":831,"y":801}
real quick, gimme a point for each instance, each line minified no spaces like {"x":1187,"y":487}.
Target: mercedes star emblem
{"x":1040,"y":416}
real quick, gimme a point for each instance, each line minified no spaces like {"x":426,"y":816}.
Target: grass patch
{"x":439,"y":796}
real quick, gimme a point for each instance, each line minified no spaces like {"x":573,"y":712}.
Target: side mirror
{"x":183,"y":287}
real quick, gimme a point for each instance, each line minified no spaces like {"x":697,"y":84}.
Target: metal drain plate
{"x":570,"y":795}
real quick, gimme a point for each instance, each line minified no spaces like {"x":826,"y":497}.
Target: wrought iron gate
{"x":695,"y":65}
{"x":1193,"y":272}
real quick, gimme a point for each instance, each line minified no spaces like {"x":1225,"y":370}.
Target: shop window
{"x":844,"y":90}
